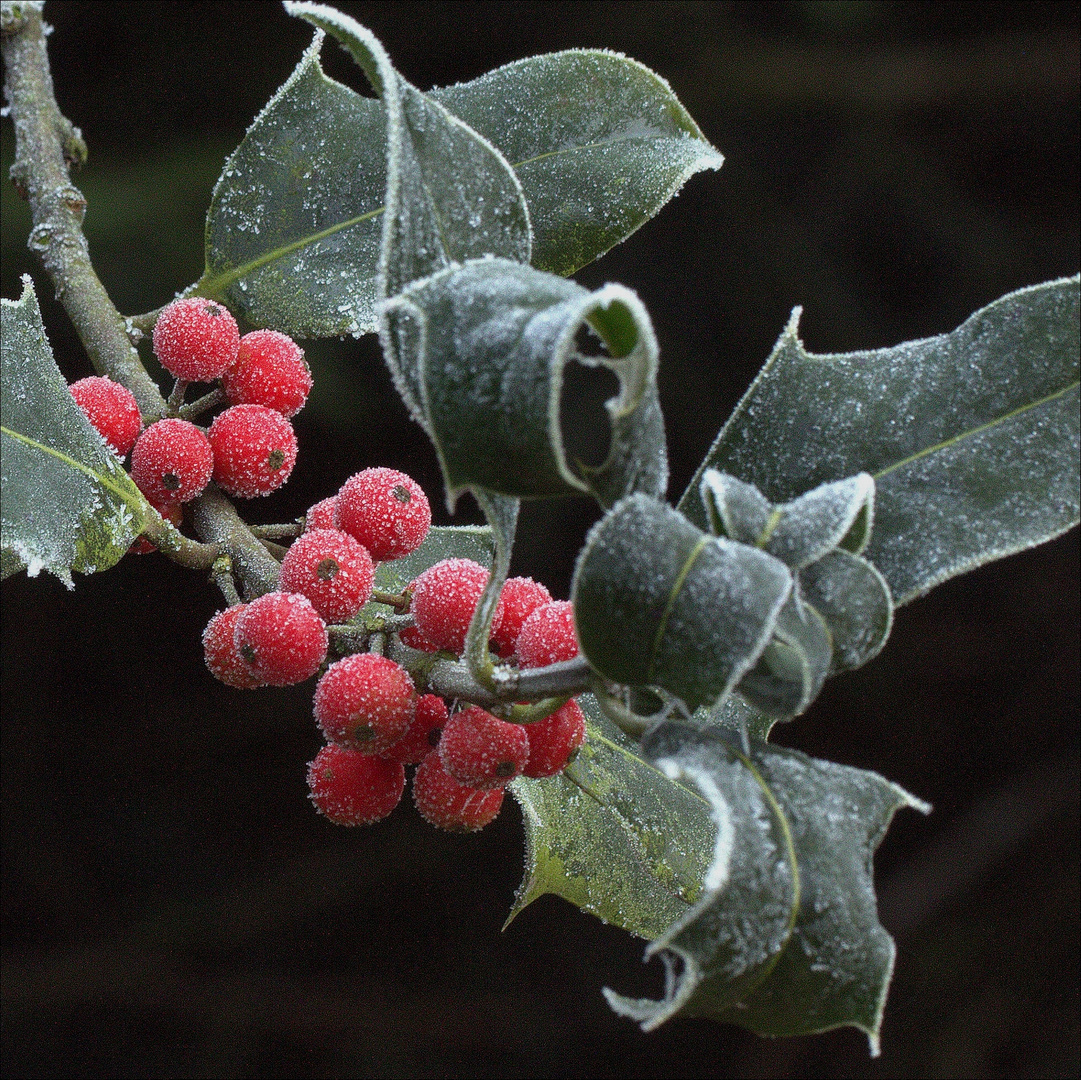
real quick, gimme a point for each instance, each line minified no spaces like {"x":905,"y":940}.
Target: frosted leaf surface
{"x":599,"y":142}
{"x":295,"y":223}
{"x":790,"y":672}
{"x":482,"y":352}
{"x":796,"y":532}
{"x":295,"y":227}
{"x":624,"y":843}
{"x":442,"y":542}
{"x":854,"y":600}
{"x":67,"y":502}
{"x":659,"y":602}
{"x":791,"y":944}
{"x":972,"y":437}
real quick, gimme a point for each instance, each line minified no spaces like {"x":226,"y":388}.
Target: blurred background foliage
{"x":171,"y":905}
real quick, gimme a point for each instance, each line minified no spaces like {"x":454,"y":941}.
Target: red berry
{"x":196,"y":339}
{"x":521,"y":596}
{"x":554,"y":739}
{"x":269,"y":370}
{"x":352,"y":788}
{"x":412,"y":637}
{"x":172,"y":462}
{"x":254,"y":450}
{"x":172,"y":513}
{"x":365,"y":701}
{"x":332,"y":570}
{"x":444,"y":599}
{"x":482,"y":751}
{"x":111,"y":409}
{"x":219,"y":649}
{"x":422,"y":735}
{"x":447,"y":804}
{"x":321,"y":515}
{"x":281,"y":638}
{"x":386,"y":511}
{"x":547,"y":636}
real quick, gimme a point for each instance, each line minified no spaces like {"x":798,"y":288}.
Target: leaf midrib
{"x":122,"y":495}
{"x":215,"y":285}
{"x":971,"y":432}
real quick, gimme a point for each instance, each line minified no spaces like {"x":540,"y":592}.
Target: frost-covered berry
{"x":521,"y":596}
{"x":352,"y":788}
{"x":422,"y":735}
{"x":386,"y":511}
{"x":365,"y":701}
{"x":172,"y":462}
{"x":412,"y":637}
{"x":269,"y":370}
{"x":255,"y":450}
{"x":482,"y":751}
{"x":111,"y":409}
{"x":281,"y":638}
{"x":196,"y":339}
{"x":332,"y":570}
{"x":554,"y":739}
{"x":172,"y":513}
{"x":220,"y":652}
{"x":321,"y":515}
{"x":448,"y":804}
{"x":444,"y":599}
{"x":547,"y":636}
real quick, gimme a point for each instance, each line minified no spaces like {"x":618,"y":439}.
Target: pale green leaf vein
{"x":971,"y":432}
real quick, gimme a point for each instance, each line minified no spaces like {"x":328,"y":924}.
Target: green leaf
{"x":481,"y":353}
{"x":442,"y":542}
{"x":790,"y":672}
{"x":972,"y":437}
{"x":796,"y":532}
{"x":786,"y":940}
{"x":296,"y":221}
{"x":659,"y":602}
{"x":619,"y":840}
{"x":295,"y":227}
{"x":599,"y":142}
{"x":67,"y":502}
{"x":854,"y":600}
{"x":450,"y":195}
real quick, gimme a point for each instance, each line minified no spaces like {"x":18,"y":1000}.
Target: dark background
{"x":171,"y":904}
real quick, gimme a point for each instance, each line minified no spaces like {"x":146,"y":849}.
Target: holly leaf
{"x":68,"y":503}
{"x":599,"y":142}
{"x":480,"y":353}
{"x":442,"y":542}
{"x":786,"y":938}
{"x":658,"y":602}
{"x":294,"y":232}
{"x":972,"y":437}
{"x":296,"y":220}
{"x":614,"y":836}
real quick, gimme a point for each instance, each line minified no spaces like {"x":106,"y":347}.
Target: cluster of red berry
{"x":366,"y":705}
{"x":250,"y":447}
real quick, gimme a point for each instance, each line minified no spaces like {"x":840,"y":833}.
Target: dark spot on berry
{"x":402,"y":494}
{"x":171,"y":481}
{"x":213,"y":311}
{"x":248,"y":653}
{"x":434,"y":736}
{"x":505,"y":768}
{"x":327,"y":569}
{"x":276,"y":460}
{"x":364,"y":733}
